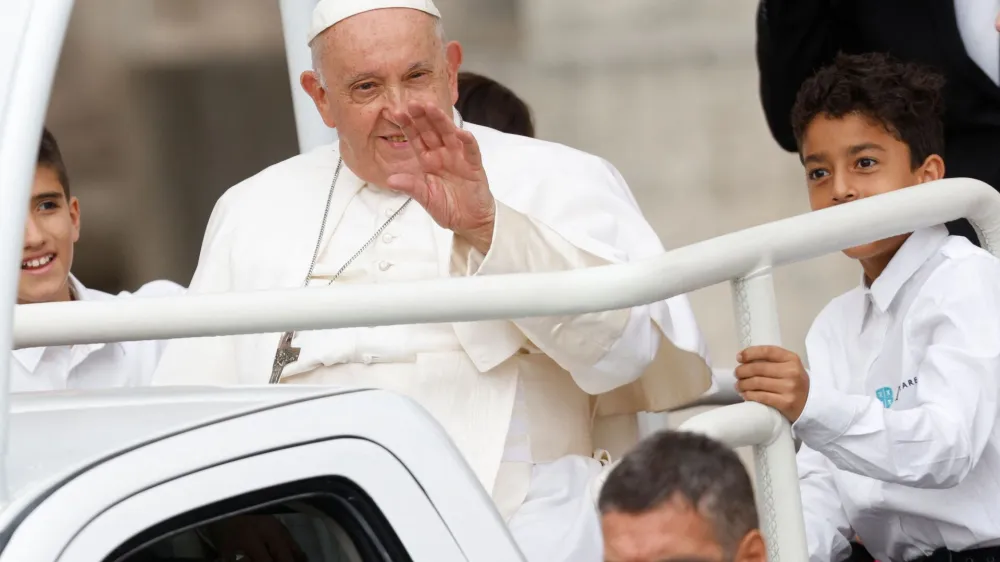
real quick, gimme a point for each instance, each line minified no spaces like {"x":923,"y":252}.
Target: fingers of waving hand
{"x":423,"y":131}
{"x":438,"y":144}
{"x":471,"y":148}
{"x":410,"y":184}
{"x":426,"y":127}
{"x":445,"y":127}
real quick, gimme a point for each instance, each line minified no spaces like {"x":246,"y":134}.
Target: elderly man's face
{"x":375,"y":62}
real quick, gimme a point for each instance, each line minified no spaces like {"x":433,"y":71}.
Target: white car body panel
{"x":215,"y":428}
{"x":368,"y":465}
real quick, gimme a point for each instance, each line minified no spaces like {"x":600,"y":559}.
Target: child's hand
{"x":774,"y":377}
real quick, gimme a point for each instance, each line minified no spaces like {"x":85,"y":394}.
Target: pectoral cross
{"x":285,"y":355}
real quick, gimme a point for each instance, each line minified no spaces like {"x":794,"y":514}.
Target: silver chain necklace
{"x":285,"y":353}
{"x":322,"y":230}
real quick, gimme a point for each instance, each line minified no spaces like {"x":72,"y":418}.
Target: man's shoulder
{"x":529,"y":153}
{"x":319,"y":160}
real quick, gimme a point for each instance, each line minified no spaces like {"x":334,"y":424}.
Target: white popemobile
{"x":132,"y":474}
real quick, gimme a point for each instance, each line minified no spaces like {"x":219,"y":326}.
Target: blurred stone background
{"x":161,"y":105}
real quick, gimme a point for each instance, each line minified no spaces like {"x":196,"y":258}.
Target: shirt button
{"x":367,"y":358}
{"x":388,"y":238}
{"x":389,"y":212}
{"x":384,"y":265}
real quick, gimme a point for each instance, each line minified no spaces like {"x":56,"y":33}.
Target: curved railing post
{"x":780,"y":510}
{"x":23,"y":114}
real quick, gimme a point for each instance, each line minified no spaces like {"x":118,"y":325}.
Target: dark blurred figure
{"x":486,"y":102}
{"x":957,"y":38}
{"x":680,"y":496}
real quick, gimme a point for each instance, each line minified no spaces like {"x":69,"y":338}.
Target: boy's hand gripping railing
{"x":753,"y":424}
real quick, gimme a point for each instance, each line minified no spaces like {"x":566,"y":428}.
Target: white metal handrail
{"x":676,"y":272}
{"x":744,"y":258}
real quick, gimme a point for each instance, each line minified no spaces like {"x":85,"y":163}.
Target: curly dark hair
{"x":904,"y":97}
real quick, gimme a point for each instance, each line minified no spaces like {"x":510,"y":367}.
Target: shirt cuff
{"x":827,"y":415}
{"x":467,"y":261}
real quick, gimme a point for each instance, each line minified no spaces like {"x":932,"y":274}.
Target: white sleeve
{"x":194,"y":361}
{"x":936,"y":443}
{"x":158,"y":288}
{"x":601,"y":350}
{"x":576,"y":217}
{"x":827,"y":528}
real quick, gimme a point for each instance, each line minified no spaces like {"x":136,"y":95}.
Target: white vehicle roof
{"x":79,"y":456}
{"x":56,"y":435}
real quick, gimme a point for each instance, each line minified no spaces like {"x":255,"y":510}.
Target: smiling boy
{"x":897,"y":412}
{"x":51,"y":229}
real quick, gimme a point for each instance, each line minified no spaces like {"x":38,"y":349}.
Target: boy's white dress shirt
{"x":899,"y":440}
{"x":91,"y":366}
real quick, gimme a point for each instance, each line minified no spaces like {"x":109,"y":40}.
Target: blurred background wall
{"x":161,"y":105}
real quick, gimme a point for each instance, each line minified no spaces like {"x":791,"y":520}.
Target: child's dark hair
{"x":904,"y":97}
{"x":486,"y":102}
{"x":50,"y":157}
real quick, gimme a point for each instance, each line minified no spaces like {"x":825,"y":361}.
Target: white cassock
{"x":517,"y":397}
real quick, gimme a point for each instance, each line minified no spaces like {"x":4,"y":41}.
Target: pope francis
{"x":408,"y":191}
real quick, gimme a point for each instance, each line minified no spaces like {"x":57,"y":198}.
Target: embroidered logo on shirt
{"x":906,"y":384}
{"x":885,"y":395}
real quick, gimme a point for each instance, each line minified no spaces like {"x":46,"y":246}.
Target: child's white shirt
{"x":91,"y":366}
{"x":899,"y":439}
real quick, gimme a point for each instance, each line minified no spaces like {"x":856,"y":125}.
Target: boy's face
{"x":854,"y":157}
{"x":52,"y":227}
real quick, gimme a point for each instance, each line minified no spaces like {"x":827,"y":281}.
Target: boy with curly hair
{"x":898,"y":411}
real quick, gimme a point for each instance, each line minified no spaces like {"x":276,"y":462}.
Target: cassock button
{"x":388,"y":238}
{"x":384,"y":265}
{"x":389,"y":212}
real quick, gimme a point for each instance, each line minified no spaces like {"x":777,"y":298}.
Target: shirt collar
{"x":912,"y":255}
{"x":30,"y":357}
{"x":76,"y":289}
